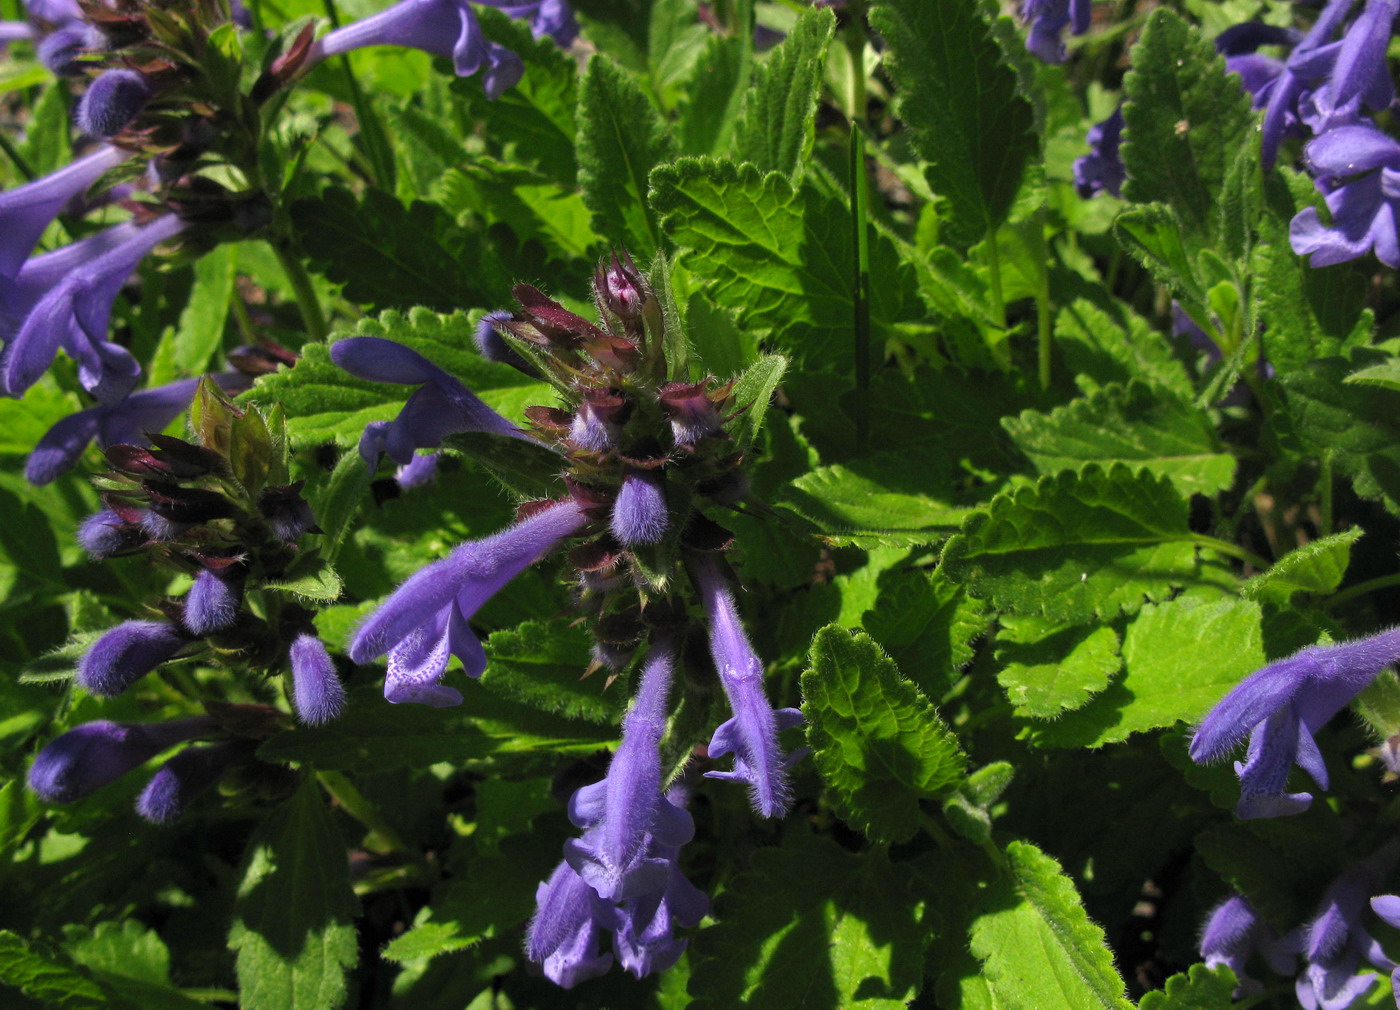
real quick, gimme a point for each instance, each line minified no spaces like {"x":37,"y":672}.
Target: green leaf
{"x":857,"y":505}
{"x":61,"y":663}
{"x":1048,"y":668}
{"x":48,"y":978}
{"x":811,"y":927}
{"x":1153,"y":235}
{"x":778,"y":123}
{"x":968,"y":808}
{"x":1316,"y":567}
{"x":324,"y":403}
{"x":1076,"y":546}
{"x":1037,"y":946}
{"x":528,"y":469}
{"x":620,"y":140}
{"x":780,"y":256}
{"x":20,"y":810}
{"x":1385,"y":375}
{"x":753,"y":393}
{"x":542,"y":665}
{"x":1135,"y":424}
{"x":200,"y":333}
{"x":1200,"y":988}
{"x":1184,"y":121}
{"x":877,"y":741}
{"x":960,"y":98}
{"x":714,"y":94}
{"x":1167,"y":678}
{"x":311,"y":578}
{"x":292,"y":920}
{"x":927,"y":624}
{"x":1115,"y":346}
{"x":338,"y":501}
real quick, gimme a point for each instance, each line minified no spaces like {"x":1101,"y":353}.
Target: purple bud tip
{"x":493,"y":347}
{"x":59,"y":51}
{"x":183,"y":778}
{"x":287,"y":513}
{"x":160,"y":529}
{"x":639,"y":514}
{"x":95,"y":753}
{"x":105,"y":534}
{"x":317,"y":692}
{"x":112,"y":101}
{"x":125,"y":654}
{"x":421,"y":470}
{"x":212,"y":602}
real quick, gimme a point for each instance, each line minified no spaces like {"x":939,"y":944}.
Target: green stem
{"x":860,"y":300}
{"x":353,"y":802}
{"x":12,"y":152}
{"x":307,"y":303}
{"x":1324,"y":489}
{"x":855,"y":49}
{"x":241,"y":318}
{"x":1233,"y":550}
{"x":1361,"y":589}
{"x":1043,"y":308}
{"x":376,"y":146}
{"x":994,"y":280}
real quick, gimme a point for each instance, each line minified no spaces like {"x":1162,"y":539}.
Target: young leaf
{"x":877,"y":741}
{"x":1076,"y":546}
{"x":1104,"y":343}
{"x":1135,"y":424}
{"x":1049,"y":668}
{"x":292,"y":928}
{"x":961,"y":99}
{"x":1200,"y":988}
{"x":50,"y":979}
{"x":811,"y":925}
{"x":721,"y":81}
{"x":1316,"y":567}
{"x":1037,"y":946}
{"x":620,"y":140}
{"x":927,"y":624}
{"x":778,"y":123}
{"x":752,"y":395}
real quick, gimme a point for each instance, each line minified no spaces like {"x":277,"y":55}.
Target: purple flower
{"x":95,"y":753}
{"x":595,"y":426}
{"x":643,"y":933}
{"x":127,"y":653}
{"x":184,"y":777}
{"x":287,"y":513}
{"x":440,"y":406}
{"x":445,"y":28}
{"x":420,"y":470}
{"x":60,"y":50}
{"x":752,"y":734}
{"x":1387,"y":906}
{"x":1335,"y":941}
{"x":16,"y":31}
{"x":1102,"y":169}
{"x":213,"y":601}
{"x":27,"y":210}
{"x":626,"y":812}
{"x":1359,"y":76}
{"x":1233,"y":931}
{"x":122,"y":423}
{"x":1279,"y":708}
{"x":639,"y":515}
{"x":566,"y":934}
{"x":1363,"y":210}
{"x":547,"y":17}
{"x":425,"y":620}
{"x":54,"y":12}
{"x":1048,"y":19}
{"x":317,"y":693}
{"x":105,"y":534}
{"x":113,"y":99}
{"x":493,"y":347}
{"x":620,"y":287}
{"x":73,"y":314}
{"x":692,"y":413}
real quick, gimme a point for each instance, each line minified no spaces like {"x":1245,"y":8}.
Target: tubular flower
{"x":425,"y":620}
{"x":1101,"y":170}
{"x":91,"y":755}
{"x":1335,"y":942}
{"x":127,"y":653}
{"x":1048,"y":19}
{"x":566,"y":934}
{"x":446,"y":28}
{"x":547,"y":17}
{"x":73,"y":314}
{"x":1279,"y":708}
{"x":441,"y":406}
{"x":1363,"y":210}
{"x":639,"y":515}
{"x":317,"y":693}
{"x":1233,"y":931}
{"x":752,"y":734}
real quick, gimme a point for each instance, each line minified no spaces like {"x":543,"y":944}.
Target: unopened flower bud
{"x":184,"y":777}
{"x":693,"y":415}
{"x":125,"y":654}
{"x":212,"y":602}
{"x":95,"y":753}
{"x":317,"y":692}
{"x":639,"y":514}
{"x":60,"y":49}
{"x":112,"y":101}
{"x":493,"y":346}
{"x":595,"y":426}
{"x":621,"y":287}
{"x":105,"y":534}
{"x":286,"y":511}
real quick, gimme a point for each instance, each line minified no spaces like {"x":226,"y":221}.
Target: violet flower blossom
{"x":1387,"y":906}
{"x":446,"y":28}
{"x":1101,"y":170}
{"x":105,"y":534}
{"x":547,"y":17}
{"x":1363,"y":210}
{"x":752,"y":734}
{"x":1280,"y":707}
{"x":440,"y":406}
{"x":493,"y":347}
{"x":122,"y":423}
{"x":644,"y":928}
{"x":1048,"y":19}
{"x":74,"y":313}
{"x":424,"y":621}
{"x":186,"y":776}
{"x":89,"y":756}
{"x":27,"y":210}
{"x":125,"y":654}
{"x":1335,"y":942}
{"x":1233,"y":931}
{"x":422,"y":469}
{"x":566,"y":933}
{"x":317,"y":693}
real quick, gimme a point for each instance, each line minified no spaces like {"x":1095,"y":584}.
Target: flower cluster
{"x":644,"y":453}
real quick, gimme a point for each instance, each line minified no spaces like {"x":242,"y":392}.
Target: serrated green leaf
{"x":1386,"y":375}
{"x":879,"y":744}
{"x":1047,"y":668}
{"x":963,"y":104}
{"x":528,"y":469}
{"x":47,"y":978}
{"x":312,"y":579}
{"x":778,"y":123}
{"x":1135,"y":424}
{"x":1037,"y":946}
{"x":123,"y":948}
{"x":1184,"y":121}
{"x":853,"y":505}
{"x":1166,"y":678}
{"x":1076,"y":546}
{"x":927,"y":624}
{"x":1116,"y":346}
{"x":811,"y":926}
{"x":778,"y":256}
{"x":620,"y":140}
{"x":542,"y":665}
{"x":61,"y":663}
{"x":1199,"y":988}
{"x":714,"y":94}
{"x":1316,"y":567}
{"x":1153,"y":235}
{"x":292,"y":926}
{"x":752,"y":394}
